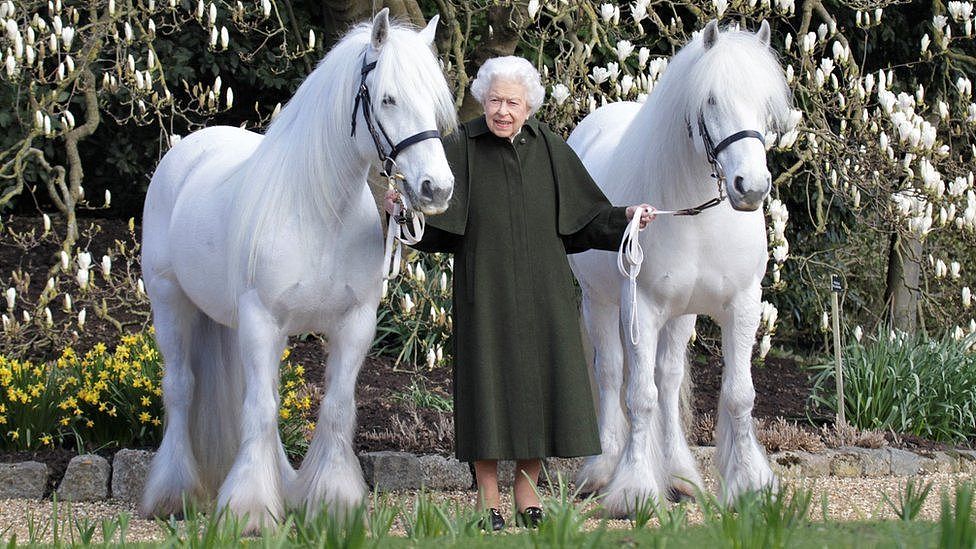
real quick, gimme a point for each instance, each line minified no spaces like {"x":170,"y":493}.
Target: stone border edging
{"x":91,"y":477}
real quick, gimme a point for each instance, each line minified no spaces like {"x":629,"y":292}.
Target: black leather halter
{"x":387,"y":159}
{"x":711,"y":152}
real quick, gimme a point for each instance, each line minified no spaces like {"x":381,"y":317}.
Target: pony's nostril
{"x":427,"y":189}
{"x":738,"y":184}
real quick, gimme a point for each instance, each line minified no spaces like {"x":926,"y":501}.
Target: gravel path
{"x":847,"y":499}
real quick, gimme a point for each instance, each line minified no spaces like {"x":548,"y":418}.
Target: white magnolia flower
{"x":606,"y":12}
{"x":858,"y":333}
{"x":967,"y":297}
{"x":954,"y":269}
{"x":560,"y":93}
{"x":266,"y":7}
{"x":11,"y":295}
{"x":643,"y":55}
{"x":48,"y":318}
{"x":81,"y":319}
{"x":624,"y":49}
{"x":599,"y":75}
{"x":824,"y":322}
{"x":533,"y":8}
{"x":940,"y":269}
{"x":626,"y":83}
{"x":965,"y":86}
{"x":443,"y":282}
{"x":106,"y":266}
{"x":720,"y":7}
{"x":638,"y":12}
{"x":224,"y":37}
{"x":431,"y":359}
{"x":764,"y":345}
{"x":82,"y":278}
{"x":961,"y":11}
{"x":67,"y":302}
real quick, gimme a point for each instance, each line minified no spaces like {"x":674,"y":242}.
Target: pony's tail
{"x":218,"y":395}
{"x":686,"y":408}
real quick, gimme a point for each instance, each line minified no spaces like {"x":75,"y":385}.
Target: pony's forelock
{"x":738,"y":69}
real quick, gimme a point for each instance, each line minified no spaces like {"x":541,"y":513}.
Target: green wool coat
{"x":521,"y":387}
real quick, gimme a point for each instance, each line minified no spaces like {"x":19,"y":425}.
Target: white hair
{"x":514,"y":69}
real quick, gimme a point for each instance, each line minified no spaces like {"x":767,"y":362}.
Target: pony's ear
{"x":381,"y":28}
{"x":710,"y":33}
{"x":763,"y":33}
{"x":428,"y":32}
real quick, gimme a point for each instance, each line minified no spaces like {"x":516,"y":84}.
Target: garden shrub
{"x":916,"y":385}
{"x":114,"y":399}
{"x":415,"y":324}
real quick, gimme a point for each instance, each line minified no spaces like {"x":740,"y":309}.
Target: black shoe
{"x":531,"y":517}
{"x":492,"y":521}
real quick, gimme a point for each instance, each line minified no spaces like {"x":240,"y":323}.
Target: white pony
{"x":716,"y":86}
{"x":248,"y":239}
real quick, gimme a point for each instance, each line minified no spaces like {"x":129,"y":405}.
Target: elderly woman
{"x":522,"y":201}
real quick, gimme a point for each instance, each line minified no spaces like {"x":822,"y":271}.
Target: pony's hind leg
{"x":253,"y":485}
{"x":672,"y":356}
{"x":741,"y":460}
{"x":330,"y":475}
{"x":174,"y":473}
{"x":601,"y":319}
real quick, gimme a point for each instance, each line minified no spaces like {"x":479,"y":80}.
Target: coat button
{"x":522,"y":141}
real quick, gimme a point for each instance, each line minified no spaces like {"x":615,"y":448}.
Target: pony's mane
{"x":738,"y":69}
{"x":307,"y":162}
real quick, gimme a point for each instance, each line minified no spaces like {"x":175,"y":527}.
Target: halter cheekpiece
{"x":387,"y":159}
{"x":711,"y":153}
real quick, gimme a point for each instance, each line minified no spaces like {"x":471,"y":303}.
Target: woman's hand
{"x":390,"y":199}
{"x":646,"y":216}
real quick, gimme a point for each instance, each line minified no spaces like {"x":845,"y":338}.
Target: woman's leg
{"x":526,"y":482}
{"x":486,"y":474}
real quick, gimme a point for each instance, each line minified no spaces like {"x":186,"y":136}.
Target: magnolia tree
{"x":68,"y":66}
{"x":74,"y":69}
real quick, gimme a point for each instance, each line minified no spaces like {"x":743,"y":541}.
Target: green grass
{"x":764,"y":520}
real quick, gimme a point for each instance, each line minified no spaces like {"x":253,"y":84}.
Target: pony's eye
{"x":711,"y":100}
{"x":387,"y":100}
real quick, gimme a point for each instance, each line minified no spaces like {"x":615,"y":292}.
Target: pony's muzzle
{"x":433,"y":198}
{"x":746,"y":195}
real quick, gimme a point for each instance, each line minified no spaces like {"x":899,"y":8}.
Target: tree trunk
{"x":902,"y":287}
{"x":502,"y":41}
{"x":342,"y":14}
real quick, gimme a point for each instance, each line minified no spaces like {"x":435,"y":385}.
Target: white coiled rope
{"x":629,"y":261}
{"x":631,"y":257}
{"x":398,"y":234}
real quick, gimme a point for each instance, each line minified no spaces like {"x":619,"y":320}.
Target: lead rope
{"x":630,"y":255}
{"x":629,"y":261}
{"x":398,"y":234}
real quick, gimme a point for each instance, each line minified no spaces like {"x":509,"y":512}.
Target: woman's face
{"x":505,"y":107}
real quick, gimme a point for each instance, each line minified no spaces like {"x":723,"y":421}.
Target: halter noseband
{"x":711,"y":152}
{"x":388,"y":160}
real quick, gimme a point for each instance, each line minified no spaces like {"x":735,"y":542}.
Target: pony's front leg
{"x":253,"y":486}
{"x":639,"y":475}
{"x":672,"y":357}
{"x":741,"y":460}
{"x":602,"y":327}
{"x":330,"y":474}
